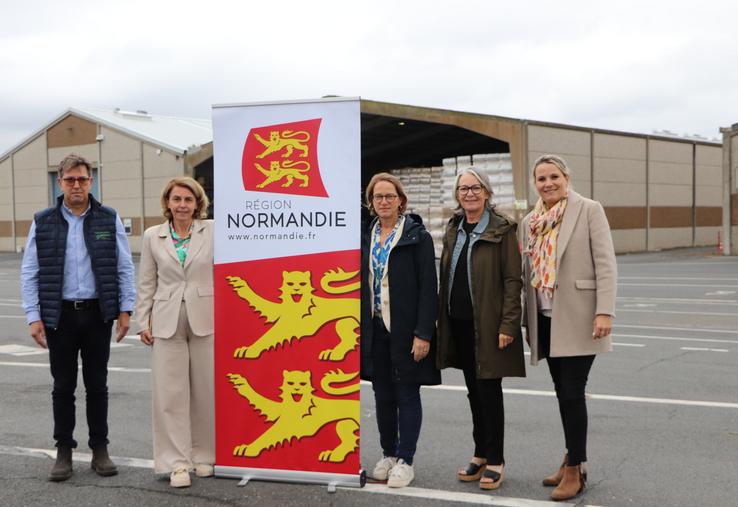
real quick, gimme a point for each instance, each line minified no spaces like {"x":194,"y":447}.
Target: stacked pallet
{"x":430,"y":190}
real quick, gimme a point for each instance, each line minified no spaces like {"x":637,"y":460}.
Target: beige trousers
{"x":183,"y":399}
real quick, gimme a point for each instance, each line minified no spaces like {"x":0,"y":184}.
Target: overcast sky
{"x":623,"y":65}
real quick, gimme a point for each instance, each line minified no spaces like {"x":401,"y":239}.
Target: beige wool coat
{"x":163,"y":283}
{"x":586,"y":281}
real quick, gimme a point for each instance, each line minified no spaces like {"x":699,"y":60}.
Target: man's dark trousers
{"x":80,"y":332}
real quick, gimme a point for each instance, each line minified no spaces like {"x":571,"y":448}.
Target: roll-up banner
{"x":287,"y":232}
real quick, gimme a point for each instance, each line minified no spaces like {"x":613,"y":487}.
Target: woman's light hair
{"x":390,"y":178}
{"x":201,"y":210}
{"x":481,"y":178}
{"x":555,"y":160}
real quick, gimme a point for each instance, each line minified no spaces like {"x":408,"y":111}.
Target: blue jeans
{"x":82,"y":333}
{"x":399,"y":411}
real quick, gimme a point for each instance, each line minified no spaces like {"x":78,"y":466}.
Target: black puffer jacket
{"x":413,"y":298}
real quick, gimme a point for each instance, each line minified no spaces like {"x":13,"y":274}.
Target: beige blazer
{"x":163,"y":283}
{"x":586,"y":281}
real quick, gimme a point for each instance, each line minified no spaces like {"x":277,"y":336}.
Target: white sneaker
{"x":383,"y":467}
{"x":401,"y":475}
{"x":204,"y":470}
{"x":180,"y":478}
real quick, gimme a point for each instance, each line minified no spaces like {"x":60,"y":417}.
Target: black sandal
{"x":472,"y":472}
{"x":491,"y":474}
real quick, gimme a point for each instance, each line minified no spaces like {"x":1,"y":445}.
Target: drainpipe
{"x":728,"y":134}
{"x":648,"y":194}
{"x":12,"y":193}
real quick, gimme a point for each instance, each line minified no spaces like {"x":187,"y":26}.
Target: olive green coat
{"x":495,"y":271}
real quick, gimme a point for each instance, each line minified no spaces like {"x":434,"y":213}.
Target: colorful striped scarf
{"x":543,"y":233}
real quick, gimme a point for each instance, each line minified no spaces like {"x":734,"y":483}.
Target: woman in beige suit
{"x":570,"y":280}
{"x":174,"y":311}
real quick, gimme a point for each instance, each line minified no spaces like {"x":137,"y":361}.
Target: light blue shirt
{"x":79,"y":280}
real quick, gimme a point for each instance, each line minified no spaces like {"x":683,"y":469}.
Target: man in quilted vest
{"x":76,"y":279}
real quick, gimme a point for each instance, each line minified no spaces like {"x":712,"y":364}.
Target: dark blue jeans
{"x":399,"y":411}
{"x":569,"y":375}
{"x":84,"y":333}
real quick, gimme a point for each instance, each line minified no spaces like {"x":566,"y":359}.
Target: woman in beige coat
{"x":174,"y":312}
{"x":570,"y":280}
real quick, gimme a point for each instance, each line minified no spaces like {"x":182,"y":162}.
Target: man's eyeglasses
{"x":390,"y":198}
{"x":71,"y":180}
{"x":474,"y":189}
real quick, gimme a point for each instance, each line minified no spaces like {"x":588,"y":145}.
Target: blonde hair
{"x":201,"y":211}
{"x":555,"y":160}
{"x":390,"y":178}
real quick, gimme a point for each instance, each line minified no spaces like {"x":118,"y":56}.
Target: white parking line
{"x":119,"y":369}
{"x":698,"y":279}
{"x":609,"y":397}
{"x":704,"y":349}
{"x":12,"y":317}
{"x":76,"y":456}
{"x":628,"y":284}
{"x":455,"y":497}
{"x":675,"y":301}
{"x":525,"y":392}
{"x":707,"y":262}
{"x":674,"y":338}
{"x":714,"y":314}
{"x":690,"y":329}
{"x":629,"y":344}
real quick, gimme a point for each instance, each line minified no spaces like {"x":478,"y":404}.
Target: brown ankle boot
{"x":555,"y":478}
{"x":572,"y":483}
{"x":62,"y":469}
{"x":101,"y":462}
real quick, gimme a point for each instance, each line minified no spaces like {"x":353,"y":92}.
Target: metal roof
{"x":174,"y":133}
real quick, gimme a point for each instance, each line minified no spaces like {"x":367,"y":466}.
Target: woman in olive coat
{"x":479,"y":317}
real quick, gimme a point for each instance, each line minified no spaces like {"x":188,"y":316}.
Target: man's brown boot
{"x":571,"y":484}
{"x":62,"y":469}
{"x":555,"y":478}
{"x":101,"y":462}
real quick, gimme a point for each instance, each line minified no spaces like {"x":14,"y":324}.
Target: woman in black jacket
{"x":398,"y":323}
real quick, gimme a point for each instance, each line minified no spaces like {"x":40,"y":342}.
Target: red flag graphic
{"x":283,"y":159}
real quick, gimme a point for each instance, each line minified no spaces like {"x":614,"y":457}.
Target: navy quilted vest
{"x":51,"y":243}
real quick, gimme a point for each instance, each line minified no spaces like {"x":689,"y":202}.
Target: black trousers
{"x":485,"y":397}
{"x":80,"y":333}
{"x":569,"y":375}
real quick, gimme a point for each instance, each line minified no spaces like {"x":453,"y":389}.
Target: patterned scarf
{"x":543,"y":233}
{"x":380,"y":255}
{"x":181,"y":245}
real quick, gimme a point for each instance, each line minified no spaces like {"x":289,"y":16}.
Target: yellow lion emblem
{"x":301,"y":414}
{"x":288,"y":170}
{"x":302,"y":314}
{"x":286,"y":140}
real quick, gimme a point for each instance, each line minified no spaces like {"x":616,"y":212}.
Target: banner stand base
{"x":331,"y":481}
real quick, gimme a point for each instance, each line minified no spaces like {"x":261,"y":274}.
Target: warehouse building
{"x":133,"y":155}
{"x":659,"y":191}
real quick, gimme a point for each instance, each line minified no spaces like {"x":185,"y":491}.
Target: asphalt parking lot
{"x":663,"y":413}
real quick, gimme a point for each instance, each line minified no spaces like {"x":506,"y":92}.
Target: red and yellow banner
{"x":287,"y":291}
